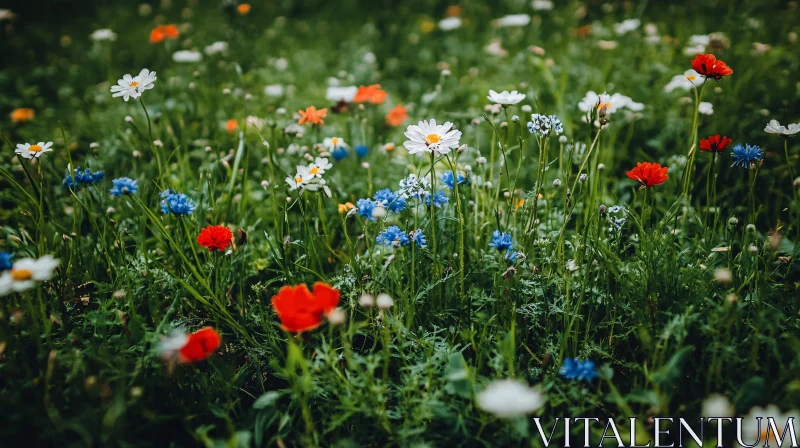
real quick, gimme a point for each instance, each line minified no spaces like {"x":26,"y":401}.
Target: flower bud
{"x":384,"y":301}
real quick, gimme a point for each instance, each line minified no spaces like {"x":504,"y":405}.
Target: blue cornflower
{"x":339,"y":153}
{"x":85,"y":177}
{"x":5,"y":261}
{"x":575,"y":369}
{"x":439,"y":199}
{"x":393,"y":236}
{"x":124,"y":185}
{"x":501,"y":241}
{"x":361,"y":150}
{"x":365,"y":207}
{"x":391,"y":200}
{"x":543,"y":125}
{"x":511,"y":255}
{"x":419,"y":238}
{"x":447,"y":178}
{"x":176,"y":203}
{"x":746,"y":155}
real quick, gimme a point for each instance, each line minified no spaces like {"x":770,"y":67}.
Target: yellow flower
{"x":344,"y":208}
{"x":427,"y":26}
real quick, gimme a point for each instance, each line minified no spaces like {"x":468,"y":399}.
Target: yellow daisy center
{"x":21,"y":274}
{"x":691,"y":77}
{"x":432,"y":138}
{"x":335,"y":141}
{"x":314,"y":170}
{"x":35,"y":148}
{"x":134,"y":83}
{"x":298,"y":179}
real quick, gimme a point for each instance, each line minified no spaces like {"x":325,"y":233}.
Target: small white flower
{"x":133,"y":86}
{"x":627,"y":25}
{"x":169,"y":347}
{"x":337,"y":316}
{"x":217,"y":47}
{"x":774,"y":127}
{"x":384,"y":301}
{"x":187,"y":56}
{"x":542,"y":5}
{"x":505,"y":97}
{"x":29,"y":151}
{"x":450,"y":23}
{"x":366,"y":300}
{"x":717,"y":406}
{"x":26,"y":273}
{"x":513,"y":20}
{"x":336,"y":93}
{"x":427,"y":136}
{"x":103,"y":34}
{"x":510,"y":398}
{"x":333,"y":143}
{"x":688,"y":80}
{"x":274,"y":90}
{"x":706,"y":108}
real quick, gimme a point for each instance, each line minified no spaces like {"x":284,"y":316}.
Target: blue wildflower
{"x":5,"y":261}
{"x":439,"y":199}
{"x":176,"y":203}
{"x":123,"y":186}
{"x":447,"y":178}
{"x":365,"y":207}
{"x":501,"y":241}
{"x":393,"y":236}
{"x":391,"y":200}
{"x":746,"y":155}
{"x":361,"y":150}
{"x":339,"y":153}
{"x":543,"y":125}
{"x":511,"y":255}
{"x":82,"y":178}
{"x":575,"y":369}
{"x":419,"y":238}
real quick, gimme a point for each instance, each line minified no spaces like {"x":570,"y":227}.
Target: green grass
{"x":648,"y":302}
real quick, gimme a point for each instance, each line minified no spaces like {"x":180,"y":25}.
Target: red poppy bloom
{"x":199,"y":345}
{"x":215,"y":237}
{"x":648,"y":174}
{"x":714,"y":143}
{"x":709,"y":66}
{"x":301,"y":310}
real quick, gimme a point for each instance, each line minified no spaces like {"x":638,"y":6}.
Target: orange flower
{"x":709,"y":66}
{"x":346,"y":207}
{"x":163,"y":32}
{"x":301,"y":310}
{"x":648,"y":174}
{"x":231,"y":126}
{"x":396,"y":116}
{"x":312,"y":115}
{"x":199,"y":345}
{"x":22,"y":115}
{"x":243,"y":8}
{"x":453,"y":11}
{"x":372,"y":94}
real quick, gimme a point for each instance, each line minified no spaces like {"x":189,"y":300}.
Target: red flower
{"x":199,"y":345}
{"x":648,"y":174}
{"x":215,"y":237}
{"x":301,"y":310}
{"x":714,"y":143}
{"x":709,"y":66}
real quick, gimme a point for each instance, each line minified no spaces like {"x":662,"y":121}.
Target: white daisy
{"x":613,"y":102}
{"x":542,"y":5}
{"x":752,"y":430}
{"x":688,"y":80}
{"x":430,"y":137}
{"x":627,"y":25}
{"x":338,"y":93}
{"x":706,"y":108}
{"x":274,"y":90}
{"x":217,"y":47}
{"x":333,"y":143}
{"x":449,"y":23}
{"x":513,"y":20}
{"x":323,"y":164}
{"x":773,"y":127}
{"x":133,"y":86}
{"x":505,"y":97}
{"x":717,"y":406}
{"x":169,"y":347}
{"x":29,"y":151}
{"x":26,"y":272}
{"x":103,"y":34}
{"x":187,"y":56}
{"x":510,"y":398}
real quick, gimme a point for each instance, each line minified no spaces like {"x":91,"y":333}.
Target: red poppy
{"x":648,"y":174}
{"x":301,"y":310}
{"x":215,"y":237}
{"x":199,"y":345}
{"x":709,"y":66}
{"x":714,"y":143}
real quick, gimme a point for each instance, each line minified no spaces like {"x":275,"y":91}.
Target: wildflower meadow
{"x":419,"y":223}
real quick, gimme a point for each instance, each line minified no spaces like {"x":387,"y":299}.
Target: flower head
{"x":774,"y":127}
{"x":414,"y":187}
{"x":82,"y":178}
{"x":543,"y":125}
{"x":439,"y":199}
{"x":133,"y":86}
{"x":396,"y":116}
{"x":29,"y":151}
{"x":510,"y":398}
{"x":709,"y":66}
{"x":391,"y":200}
{"x":501,"y":241}
{"x":25,"y":273}
{"x":176,"y":203}
{"x":215,"y":237}
{"x":364,"y":208}
{"x":243,"y":8}
{"x":163,"y":32}
{"x":419,"y":238}
{"x":370,"y":94}
{"x":756,"y":425}
{"x":339,"y":93}
{"x":393,"y":236}
{"x":362,"y":150}
{"x":312,"y":115}
{"x":5,"y":261}
{"x":447,"y":178}
{"x":505,"y":97}
{"x":187,"y":348}
{"x":648,"y":174}
{"x":746,"y":155}
{"x":427,"y":136}
{"x":575,"y":369}
{"x":22,"y":115}
{"x":123,"y":186}
{"x":339,"y":153}
{"x":714,"y":143}
{"x":301,"y":310}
